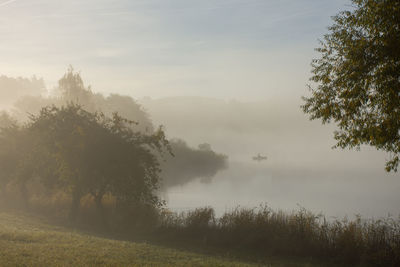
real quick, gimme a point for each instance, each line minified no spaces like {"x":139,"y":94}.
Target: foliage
{"x":6,"y":120}
{"x":72,"y":89}
{"x":97,"y":155}
{"x":8,"y":150}
{"x":189,"y":163}
{"x":358,"y":78}
{"x":13,"y":88}
{"x":72,"y":150}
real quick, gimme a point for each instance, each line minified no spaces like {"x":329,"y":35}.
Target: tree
{"x":97,"y":155}
{"x":72,"y":89}
{"x":6,"y":120}
{"x":8,"y":150}
{"x":20,"y":158}
{"x":357,"y":78}
{"x":13,"y":88}
{"x":190,"y":163}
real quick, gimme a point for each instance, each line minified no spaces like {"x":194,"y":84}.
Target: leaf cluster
{"x":357,"y":78}
{"x":70,"y":149}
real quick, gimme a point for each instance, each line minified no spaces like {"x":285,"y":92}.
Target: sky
{"x":227,"y":49}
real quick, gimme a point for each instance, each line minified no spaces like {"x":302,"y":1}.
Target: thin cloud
{"x":6,"y":3}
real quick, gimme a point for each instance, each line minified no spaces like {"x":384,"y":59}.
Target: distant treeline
{"x":72,"y":147}
{"x":201,"y":162}
{"x":12,"y":89}
{"x":27,"y":98}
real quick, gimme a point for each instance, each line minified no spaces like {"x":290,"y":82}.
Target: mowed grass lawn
{"x":27,"y":240}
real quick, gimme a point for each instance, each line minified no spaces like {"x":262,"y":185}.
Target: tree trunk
{"x":24,"y":195}
{"x":3,"y":191}
{"x":76,"y":202}
{"x":99,"y":205}
{"x":100,"y":209}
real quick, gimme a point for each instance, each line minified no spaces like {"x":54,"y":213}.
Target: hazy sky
{"x":243,"y":49}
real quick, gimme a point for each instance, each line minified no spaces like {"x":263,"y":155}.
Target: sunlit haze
{"x":244,"y":49}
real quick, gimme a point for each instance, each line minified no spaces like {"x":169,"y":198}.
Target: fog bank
{"x":301,"y":169}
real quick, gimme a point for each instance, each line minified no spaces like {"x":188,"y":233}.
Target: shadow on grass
{"x":163,"y":240}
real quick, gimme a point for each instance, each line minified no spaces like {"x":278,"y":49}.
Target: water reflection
{"x":339,"y":192}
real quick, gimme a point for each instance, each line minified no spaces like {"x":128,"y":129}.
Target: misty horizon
{"x":301,"y":169}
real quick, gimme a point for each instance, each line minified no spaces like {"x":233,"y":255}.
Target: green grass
{"x":27,"y":240}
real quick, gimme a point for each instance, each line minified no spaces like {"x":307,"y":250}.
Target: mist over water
{"x":301,"y":169}
{"x":334,"y":194}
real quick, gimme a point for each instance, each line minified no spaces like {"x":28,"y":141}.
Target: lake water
{"x":301,"y":168}
{"x":336,"y":194}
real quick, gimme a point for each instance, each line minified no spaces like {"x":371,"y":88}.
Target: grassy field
{"x":27,"y":240}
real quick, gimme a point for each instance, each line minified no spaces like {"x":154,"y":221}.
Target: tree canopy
{"x":357,"y":78}
{"x":81,"y":153}
{"x":72,"y":89}
{"x":190,"y":163}
{"x":13,"y":88}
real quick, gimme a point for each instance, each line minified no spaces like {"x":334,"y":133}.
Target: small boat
{"x":259,"y":158}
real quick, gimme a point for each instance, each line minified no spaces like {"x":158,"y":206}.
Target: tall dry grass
{"x":256,"y":232}
{"x":301,"y":233}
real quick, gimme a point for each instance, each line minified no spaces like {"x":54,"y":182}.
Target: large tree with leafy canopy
{"x":8,"y":149}
{"x":98,"y":155}
{"x":357,"y":78}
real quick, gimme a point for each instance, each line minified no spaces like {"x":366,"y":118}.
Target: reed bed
{"x":301,"y":233}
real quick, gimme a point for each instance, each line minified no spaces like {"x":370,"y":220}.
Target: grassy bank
{"x":243,"y":235}
{"x":27,"y":240}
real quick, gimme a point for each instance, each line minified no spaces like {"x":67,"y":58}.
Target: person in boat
{"x":259,"y":158}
